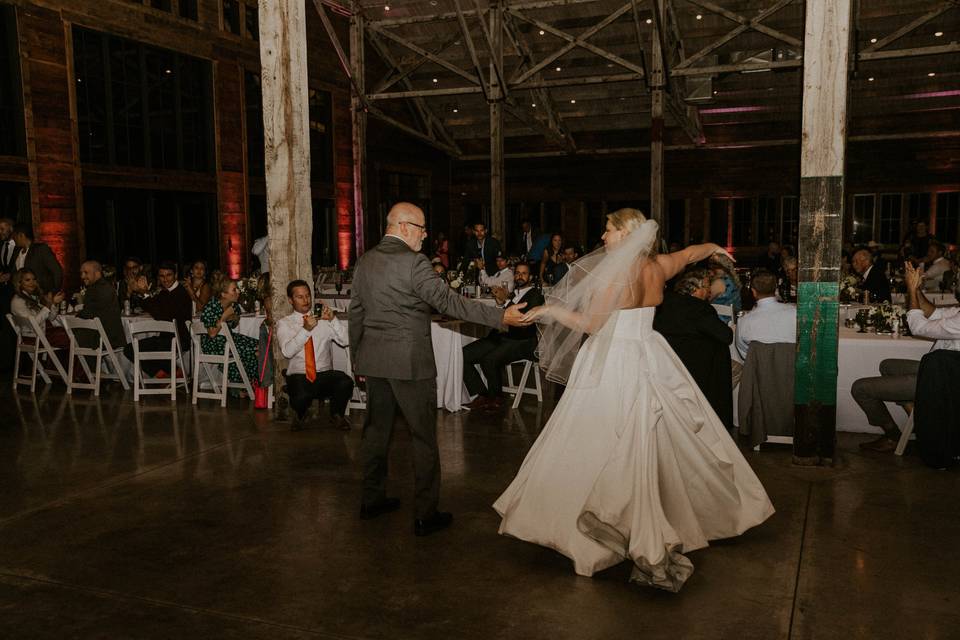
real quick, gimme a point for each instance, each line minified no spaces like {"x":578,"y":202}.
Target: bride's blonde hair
{"x":626,"y":219}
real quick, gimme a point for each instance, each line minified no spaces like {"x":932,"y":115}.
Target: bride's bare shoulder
{"x":650,"y":279}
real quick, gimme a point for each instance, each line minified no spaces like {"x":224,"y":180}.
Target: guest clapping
{"x":196,"y":284}
{"x":31,"y":303}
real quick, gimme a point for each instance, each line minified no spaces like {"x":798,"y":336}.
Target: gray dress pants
{"x":417,"y":400}
{"x":897,"y":382}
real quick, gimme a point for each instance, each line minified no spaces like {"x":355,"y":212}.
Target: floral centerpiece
{"x":888,"y":317}
{"x":849,"y":289}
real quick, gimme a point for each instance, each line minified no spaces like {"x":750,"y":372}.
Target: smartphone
{"x":318,"y":309}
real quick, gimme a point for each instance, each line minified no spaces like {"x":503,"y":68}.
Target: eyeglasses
{"x":422,"y":228}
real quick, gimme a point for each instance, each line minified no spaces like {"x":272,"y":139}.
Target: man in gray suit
{"x":393,"y":291}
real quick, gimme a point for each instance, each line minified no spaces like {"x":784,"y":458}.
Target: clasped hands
{"x":515,"y":317}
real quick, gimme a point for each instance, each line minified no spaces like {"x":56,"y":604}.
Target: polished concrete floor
{"x":151,"y":520}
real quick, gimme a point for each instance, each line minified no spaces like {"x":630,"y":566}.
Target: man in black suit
{"x":37,"y":257}
{"x":170,"y":303}
{"x":872,"y":279}
{"x":500,"y":348}
{"x":699,"y":338}
{"x":483,"y":248}
{"x":99,"y":301}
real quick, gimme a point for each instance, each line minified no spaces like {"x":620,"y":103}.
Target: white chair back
{"x":103,"y":351}
{"x":144,"y":385}
{"x":216,"y":367}
{"x":32,"y":340}
{"x":359,"y":398}
{"x":723,"y":310}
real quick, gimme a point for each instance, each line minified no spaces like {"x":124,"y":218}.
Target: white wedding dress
{"x":638,"y":466}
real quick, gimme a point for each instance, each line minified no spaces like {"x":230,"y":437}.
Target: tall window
{"x":890,"y":205}
{"x":321,"y":137}
{"x":948,"y":217}
{"x":719,"y":220}
{"x":15,"y":201}
{"x":253,"y":108}
{"x":552,"y":219}
{"x":768,"y":224}
{"x":863,"y":206}
{"x":188,"y":9}
{"x":743,"y":222}
{"x":231,"y":16}
{"x":676,"y":220}
{"x":12,"y":140}
{"x":153,"y":225}
{"x":918,"y":207}
{"x":790,"y":220}
{"x":143,"y":106}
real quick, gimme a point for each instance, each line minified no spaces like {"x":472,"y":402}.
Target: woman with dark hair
{"x":30,"y":302}
{"x":223,"y":310}
{"x":441,"y":249}
{"x":552,"y":256}
{"x":196,"y":284}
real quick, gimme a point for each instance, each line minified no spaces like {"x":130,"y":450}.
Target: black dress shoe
{"x":371,"y":511}
{"x":340,"y":422}
{"x":437,"y":522}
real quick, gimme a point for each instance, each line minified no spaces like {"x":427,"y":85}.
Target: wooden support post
{"x":822,"y":151}
{"x":286,"y":137}
{"x":657,"y":82}
{"x":358,"y":131}
{"x":497,"y":196}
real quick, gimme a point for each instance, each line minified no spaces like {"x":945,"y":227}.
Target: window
{"x":790,"y":220}
{"x":12,"y":141}
{"x":863,"y":206}
{"x":15,"y":201}
{"x":231,"y":16}
{"x":948,"y":217}
{"x":743,"y":222}
{"x":719,"y":222}
{"x":768,"y":223}
{"x":188,"y":9}
{"x":552,"y":220}
{"x":142,"y":106}
{"x":325,"y":253}
{"x":251,"y":19}
{"x":321,"y":137}
{"x":154,"y":225}
{"x":676,"y":220}
{"x":162,"y":5}
{"x":890,"y":204}
{"x":253,"y":97}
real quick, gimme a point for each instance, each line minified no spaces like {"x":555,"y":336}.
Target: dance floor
{"x":151,"y":520}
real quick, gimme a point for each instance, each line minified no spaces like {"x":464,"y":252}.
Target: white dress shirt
{"x":516,"y":297}
{"x":527,"y":241}
{"x":21,"y":259}
{"x":261,"y":249}
{"x":7,"y":250}
{"x":943,"y":325}
{"x":934,"y":274}
{"x":504,"y":275}
{"x":293,"y":338}
{"x":769,"y":322}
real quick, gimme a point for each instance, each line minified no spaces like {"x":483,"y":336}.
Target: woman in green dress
{"x":222,"y":309}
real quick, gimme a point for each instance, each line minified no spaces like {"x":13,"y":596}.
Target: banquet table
{"x":938,"y":299}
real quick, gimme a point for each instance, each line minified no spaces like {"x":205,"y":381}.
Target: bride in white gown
{"x":633,"y":463}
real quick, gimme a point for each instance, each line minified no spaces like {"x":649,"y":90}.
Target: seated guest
{"x":699,"y":338}
{"x":438,"y":268}
{"x":872,"y":280}
{"x":29,"y":302}
{"x":304,"y":339}
{"x":171,"y":303}
{"x":550,"y":258}
{"x":770,"y":322}
{"x":897,"y":381}
{"x":570,"y":255}
{"x":788,"y":281}
{"x":934,"y":267}
{"x":196,"y":284}
{"x":725,"y":286}
{"x":772,"y":260}
{"x":132,"y":269}
{"x":223,"y":312}
{"x":37,"y":257}
{"x":100,"y":301}
{"x":499,"y":348}
{"x":503,"y":275}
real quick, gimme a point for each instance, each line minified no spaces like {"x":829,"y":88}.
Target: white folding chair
{"x":216,"y":367}
{"x":521,"y":389}
{"x":723,"y":310}
{"x":147,"y":385}
{"x":905,"y":434}
{"x":32,"y":340}
{"x":104,"y":353}
{"x":359,"y":398}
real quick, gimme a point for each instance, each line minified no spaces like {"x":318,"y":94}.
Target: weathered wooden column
{"x":822,"y":152}
{"x":286,"y":140}
{"x":358,"y":131}
{"x":657,"y":81}
{"x":497,"y":187}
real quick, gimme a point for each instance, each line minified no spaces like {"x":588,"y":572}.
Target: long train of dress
{"x":638,"y":466}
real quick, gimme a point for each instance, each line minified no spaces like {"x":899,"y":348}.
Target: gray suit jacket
{"x":392,"y":293}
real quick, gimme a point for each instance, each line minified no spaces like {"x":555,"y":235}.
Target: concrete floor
{"x":147,"y":520}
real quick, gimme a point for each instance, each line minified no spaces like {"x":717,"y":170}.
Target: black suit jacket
{"x":173,"y":305}
{"x":876,"y":283}
{"x":533,"y":298}
{"x":702,"y":342}
{"x":100,"y":301}
{"x":491,"y":249}
{"x":41,"y":261}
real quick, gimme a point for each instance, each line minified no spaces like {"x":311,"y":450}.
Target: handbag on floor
{"x":260,"y":392}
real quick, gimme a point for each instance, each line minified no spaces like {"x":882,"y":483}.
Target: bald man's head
{"x":407,"y":221}
{"x":90,"y":272}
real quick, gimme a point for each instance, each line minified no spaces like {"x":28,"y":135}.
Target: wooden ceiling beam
{"x":468,"y":40}
{"x":403,"y":42}
{"x":408,"y":66}
{"x":912,"y":26}
{"x":452,"y":15}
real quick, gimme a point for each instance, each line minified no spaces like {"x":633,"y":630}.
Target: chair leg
{"x":905,"y":435}
{"x":16,"y":364}
{"x":96,"y":386}
{"x":521,"y":388}
{"x":72,"y":357}
{"x":196,"y":377}
{"x":137,"y":376}
{"x":35,"y":357}
{"x":510,"y":375}
{"x":536,"y":380}
{"x":224,"y":382}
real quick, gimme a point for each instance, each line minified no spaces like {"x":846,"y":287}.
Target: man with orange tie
{"x":304,"y":340}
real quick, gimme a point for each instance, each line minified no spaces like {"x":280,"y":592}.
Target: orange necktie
{"x":310,"y":360}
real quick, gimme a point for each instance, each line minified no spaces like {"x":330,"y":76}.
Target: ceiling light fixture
{"x":873,"y":41}
{"x":573,"y":102}
{"x":715,"y":92}
{"x":931,"y":74}
{"x":649,"y":20}
{"x":542,"y":32}
{"x":870,"y":79}
{"x":455,"y":110}
{"x":937,"y":34}
{"x":386,"y":7}
{"x":435,"y":81}
{"x":699,"y":17}
{"x":558,"y":68}
{"x":533,"y":104}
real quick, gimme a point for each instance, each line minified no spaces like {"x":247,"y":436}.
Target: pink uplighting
{"x":735,"y":110}
{"x":933,"y":94}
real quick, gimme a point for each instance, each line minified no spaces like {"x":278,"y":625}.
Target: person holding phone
{"x":304,"y":337}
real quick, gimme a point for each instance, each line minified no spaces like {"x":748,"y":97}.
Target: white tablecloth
{"x":939,"y":299}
